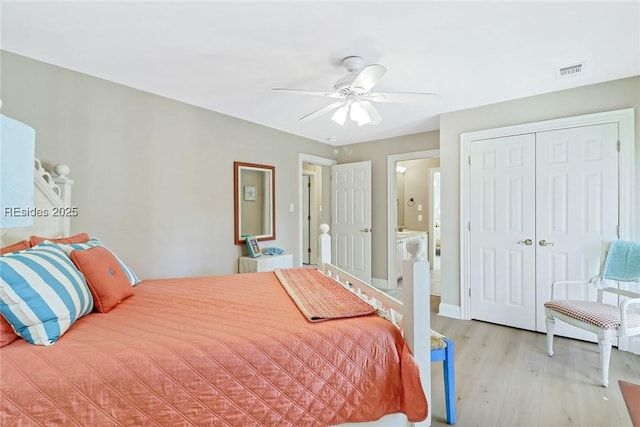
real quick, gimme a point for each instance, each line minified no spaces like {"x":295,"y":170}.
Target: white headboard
{"x":52,"y":212}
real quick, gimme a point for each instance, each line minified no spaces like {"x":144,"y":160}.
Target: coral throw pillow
{"x":7,"y":336}
{"x":20,"y":246}
{"x":107,"y":281}
{"x":76,"y":238}
{"x":133,"y":279}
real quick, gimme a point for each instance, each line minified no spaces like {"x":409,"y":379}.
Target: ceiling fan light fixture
{"x":374,"y":115}
{"x":358,"y":114}
{"x":363,"y":121}
{"x":355,"y":95}
{"x":340,"y":115}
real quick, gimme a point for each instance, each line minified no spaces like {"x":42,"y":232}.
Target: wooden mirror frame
{"x":237,"y":199}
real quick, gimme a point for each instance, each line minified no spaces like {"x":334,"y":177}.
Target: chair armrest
{"x":570,"y":282}
{"x":623,"y":313}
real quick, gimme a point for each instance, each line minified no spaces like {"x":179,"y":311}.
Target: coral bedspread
{"x":225,"y":351}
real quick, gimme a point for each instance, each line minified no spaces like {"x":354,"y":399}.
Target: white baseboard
{"x":449,"y":310}
{"x":380,"y":283}
{"x":630,"y":344}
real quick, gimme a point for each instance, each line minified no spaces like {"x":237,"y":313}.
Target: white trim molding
{"x":449,"y":310}
{"x":379,"y":283}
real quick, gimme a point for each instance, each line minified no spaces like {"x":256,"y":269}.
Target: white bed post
{"x":65,"y":185}
{"x":63,"y":182}
{"x":324,"y":246}
{"x":416,"y":283}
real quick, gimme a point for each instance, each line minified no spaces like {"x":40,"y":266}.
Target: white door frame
{"x":307,"y":158}
{"x":392,"y":212}
{"x":431,"y":250}
{"x":626,"y":132}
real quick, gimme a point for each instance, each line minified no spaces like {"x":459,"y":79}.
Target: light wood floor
{"x":505,"y":378}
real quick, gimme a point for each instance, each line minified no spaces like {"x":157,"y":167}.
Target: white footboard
{"x":390,"y":307}
{"x":412,"y":316}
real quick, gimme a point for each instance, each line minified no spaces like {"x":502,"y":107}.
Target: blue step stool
{"x":442,"y":350}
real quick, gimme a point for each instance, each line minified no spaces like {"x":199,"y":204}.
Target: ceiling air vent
{"x":570,"y":70}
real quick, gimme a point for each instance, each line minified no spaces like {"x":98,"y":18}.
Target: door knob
{"x":527,"y":242}
{"x":365,"y":230}
{"x":545,"y":243}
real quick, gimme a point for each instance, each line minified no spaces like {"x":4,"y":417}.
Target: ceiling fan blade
{"x":321,"y":111}
{"x":374,"y":115}
{"x":309,"y":92}
{"x":402,"y":97}
{"x":368,"y":77}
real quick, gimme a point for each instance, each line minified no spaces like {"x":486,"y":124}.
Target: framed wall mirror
{"x":254,"y":201}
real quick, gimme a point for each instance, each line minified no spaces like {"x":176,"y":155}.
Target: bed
{"x":183,"y":351}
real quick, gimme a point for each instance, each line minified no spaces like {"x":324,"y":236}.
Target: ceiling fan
{"x":355,"y":93}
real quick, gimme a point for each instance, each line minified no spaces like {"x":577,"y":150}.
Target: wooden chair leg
{"x":450,"y":382}
{"x":604,"y":346}
{"x":551,"y":323}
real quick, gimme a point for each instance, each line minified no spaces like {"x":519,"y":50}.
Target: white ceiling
{"x":227,"y":56}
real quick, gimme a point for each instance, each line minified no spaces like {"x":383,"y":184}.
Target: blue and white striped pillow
{"x":42,"y":293}
{"x":68,"y":248}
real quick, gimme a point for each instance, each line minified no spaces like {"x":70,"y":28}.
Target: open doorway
{"x":411,"y":210}
{"x":434,"y":226}
{"x":314,"y":197}
{"x":311,"y":211}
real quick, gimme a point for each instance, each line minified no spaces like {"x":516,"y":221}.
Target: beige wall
{"x":377,"y":152}
{"x":613,"y":95}
{"x":154,"y":177}
{"x":400,"y":200}
{"x":416,"y":186}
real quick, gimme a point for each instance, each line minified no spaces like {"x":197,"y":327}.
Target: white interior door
{"x":502,"y":231}
{"x":576,"y":208}
{"x":351,"y":218}
{"x":540,"y":206}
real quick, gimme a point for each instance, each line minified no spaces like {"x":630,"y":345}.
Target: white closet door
{"x":576,"y":208}
{"x":559,"y":189}
{"x":503,"y":231}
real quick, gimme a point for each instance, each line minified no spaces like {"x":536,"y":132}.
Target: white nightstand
{"x":246,"y":264}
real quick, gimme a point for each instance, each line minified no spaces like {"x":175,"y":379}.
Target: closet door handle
{"x":545,"y":243}
{"x":365,"y":230}
{"x":527,"y":242}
